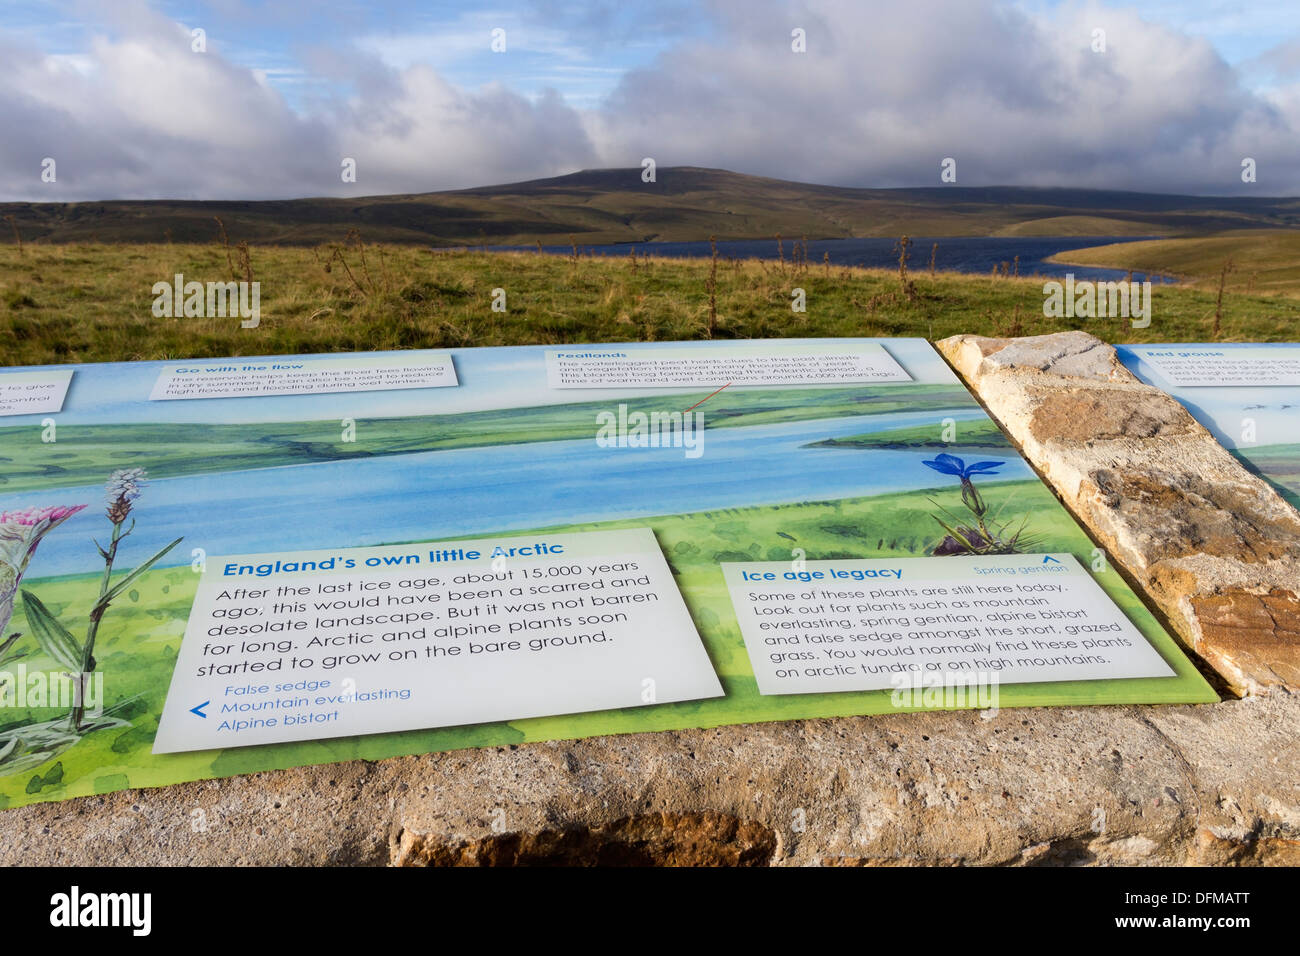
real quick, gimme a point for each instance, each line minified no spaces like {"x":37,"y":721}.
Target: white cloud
{"x":883,"y":94}
{"x":144,"y":116}
{"x":431,"y":132}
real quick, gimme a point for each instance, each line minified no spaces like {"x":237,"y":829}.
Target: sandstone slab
{"x":1214,"y":547}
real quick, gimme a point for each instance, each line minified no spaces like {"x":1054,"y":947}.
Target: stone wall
{"x":1207,"y":784}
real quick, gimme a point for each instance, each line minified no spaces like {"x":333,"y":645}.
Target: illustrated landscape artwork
{"x":112,"y":522}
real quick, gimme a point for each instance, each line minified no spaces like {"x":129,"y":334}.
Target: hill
{"x":685,"y":203}
{"x":1261,"y":260}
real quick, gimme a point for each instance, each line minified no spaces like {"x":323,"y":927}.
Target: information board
{"x":222,"y":566}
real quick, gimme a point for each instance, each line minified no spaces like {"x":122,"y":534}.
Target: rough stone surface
{"x":1215,"y":784}
{"x":1213,"y":546}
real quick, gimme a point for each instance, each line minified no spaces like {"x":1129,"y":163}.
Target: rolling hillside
{"x":1261,"y":261}
{"x":685,"y":203}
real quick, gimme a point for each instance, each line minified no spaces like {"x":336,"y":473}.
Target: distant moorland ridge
{"x":684,"y":203}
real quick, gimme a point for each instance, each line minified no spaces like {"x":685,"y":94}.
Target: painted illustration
{"x":836,"y":471}
{"x":75,"y":685}
{"x":1259,"y":424}
{"x":986,"y":536}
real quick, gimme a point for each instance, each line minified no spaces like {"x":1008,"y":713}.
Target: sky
{"x":272,"y":96}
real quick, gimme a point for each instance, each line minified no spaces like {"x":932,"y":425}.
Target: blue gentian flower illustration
{"x":952,"y":465}
{"x":978,"y":538}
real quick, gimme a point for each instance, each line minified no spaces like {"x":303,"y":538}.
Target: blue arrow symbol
{"x":198,"y":711}
{"x":1048,"y":557}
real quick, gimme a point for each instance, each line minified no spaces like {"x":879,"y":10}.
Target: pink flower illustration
{"x":20,"y":532}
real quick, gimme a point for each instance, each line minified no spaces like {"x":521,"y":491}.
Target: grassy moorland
{"x":600,"y":206}
{"x":1258,"y":262}
{"x":92,"y":303}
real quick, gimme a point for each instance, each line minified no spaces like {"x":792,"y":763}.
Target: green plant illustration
{"x":984,"y":535}
{"x":31,"y":744}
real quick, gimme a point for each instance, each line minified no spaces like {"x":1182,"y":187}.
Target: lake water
{"x":977,"y":255}
{"x":431,"y":495}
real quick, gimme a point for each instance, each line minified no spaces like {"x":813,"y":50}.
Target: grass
{"x":1075,"y":225}
{"x":92,"y":303}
